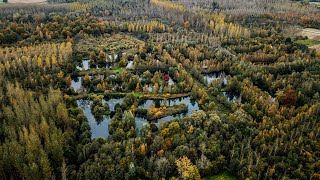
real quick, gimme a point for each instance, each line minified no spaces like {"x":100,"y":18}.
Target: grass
{"x":308,"y":42}
{"x":222,"y":176}
{"x":137,"y":94}
{"x":118,"y":70}
{"x":167,"y":96}
{"x":92,"y":72}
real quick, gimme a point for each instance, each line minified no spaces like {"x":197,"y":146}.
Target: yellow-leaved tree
{"x":187,"y":170}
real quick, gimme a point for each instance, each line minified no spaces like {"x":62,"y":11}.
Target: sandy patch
{"x":310,"y":33}
{"x":317,"y":47}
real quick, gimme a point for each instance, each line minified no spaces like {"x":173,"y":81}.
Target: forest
{"x":160,"y":89}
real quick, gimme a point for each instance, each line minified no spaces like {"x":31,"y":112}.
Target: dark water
{"x":191,"y":104}
{"x":230,"y":97}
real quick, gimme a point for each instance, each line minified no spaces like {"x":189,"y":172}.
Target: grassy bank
{"x":308,"y":42}
{"x":165,"y":96}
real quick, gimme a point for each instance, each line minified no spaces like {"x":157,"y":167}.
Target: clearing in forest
{"x":313,"y":40}
{"x":310,"y":33}
{"x":108,"y":43}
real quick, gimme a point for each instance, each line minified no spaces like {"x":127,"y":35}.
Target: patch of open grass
{"x":118,"y":70}
{"x":137,"y":94}
{"x":222,"y":176}
{"x":308,"y":42}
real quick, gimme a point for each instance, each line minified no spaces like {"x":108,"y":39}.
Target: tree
{"x":186,"y":25}
{"x":146,"y":77}
{"x":102,"y":57}
{"x":142,"y":149}
{"x":138,"y":87}
{"x":156,"y":88}
{"x":156,"y":78}
{"x":92,"y":57}
{"x":86,"y":80}
{"x":162,"y":166}
{"x":187,"y":170}
{"x":290,"y":97}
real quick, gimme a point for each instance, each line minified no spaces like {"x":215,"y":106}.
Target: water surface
{"x":100,"y":129}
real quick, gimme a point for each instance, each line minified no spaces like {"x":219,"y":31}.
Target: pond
{"x":170,"y":82}
{"x":150,"y":88}
{"x":191,"y":104}
{"x":140,"y":123}
{"x":85,"y":65}
{"x":97,"y":129}
{"x":111,"y":58}
{"x":230,"y":97}
{"x":101,"y":129}
{"x":112,"y":103}
{"x":215,"y":76}
{"x":76,"y":84}
{"x":129,"y":65}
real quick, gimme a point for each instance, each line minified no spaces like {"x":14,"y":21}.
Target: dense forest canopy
{"x":160,"y":89}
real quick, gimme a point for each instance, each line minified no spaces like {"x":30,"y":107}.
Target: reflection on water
{"x":230,"y":97}
{"x":101,"y":129}
{"x":191,"y":104}
{"x":170,"y":82}
{"x":149,"y":103}
{"x":140,"y":123}
{"x":97,"y":129}
{"x":150,"y":88}
{"x":112,"y":103}
{"x":76,"y":84}
{"x":111,"y":58}
{"x":215,"y":76}
{"x":85,"y":65}
{"x":129,"y":65}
